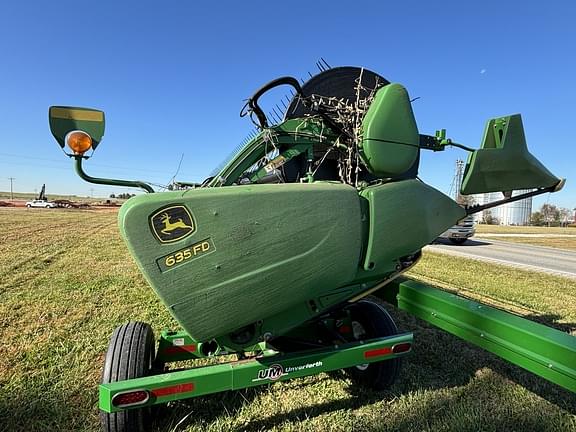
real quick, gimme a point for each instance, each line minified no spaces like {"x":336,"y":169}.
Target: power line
{"x":67,"y":163}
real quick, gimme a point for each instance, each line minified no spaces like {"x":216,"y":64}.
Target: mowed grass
{"x":567,"y":243}
{"x":554,"y":237}
{"x":501,"y":229}
{"x":66,"y":280}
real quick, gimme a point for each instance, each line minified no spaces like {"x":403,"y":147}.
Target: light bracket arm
{"x":112,"y":182}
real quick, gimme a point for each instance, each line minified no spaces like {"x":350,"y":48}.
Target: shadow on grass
{"x":203,"y":410}
{"x":553,"y":321}
{"x":41,"y":409}
{"x":467,"y":243}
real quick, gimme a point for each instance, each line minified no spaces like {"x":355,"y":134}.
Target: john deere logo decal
{"x":172,"y":223}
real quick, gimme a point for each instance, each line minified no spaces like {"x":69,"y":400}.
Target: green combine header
{"x":273,"y":257}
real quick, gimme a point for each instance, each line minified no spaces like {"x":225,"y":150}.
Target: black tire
{"x":130,"y":355}
{"x":458,"y":241}
{"x":28,"y":205}
{"x":374,"y":321}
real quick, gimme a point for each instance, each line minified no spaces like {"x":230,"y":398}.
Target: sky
{"x":172,"y":76}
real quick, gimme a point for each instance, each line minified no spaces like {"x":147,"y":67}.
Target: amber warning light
{"x":79,"y":142}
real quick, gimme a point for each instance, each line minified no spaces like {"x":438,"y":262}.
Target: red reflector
{"x":345,"y":329}
{"x":401,"y":348}
{"x":130,"y":398}
{"x":179,"y":349}
{"x":178,"y":388}
{"x":378,"y":352}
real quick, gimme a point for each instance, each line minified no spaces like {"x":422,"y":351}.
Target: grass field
{"x":66,"y":280}
{"x":568,"y":242}
{"x":555,"y":237}
{"x":501,"y":229}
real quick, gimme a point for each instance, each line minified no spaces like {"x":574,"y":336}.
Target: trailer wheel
{"x":130,"y":355}
{"x":370,"y":320}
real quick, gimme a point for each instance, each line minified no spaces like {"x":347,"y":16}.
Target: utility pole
{"x":11,"y":190}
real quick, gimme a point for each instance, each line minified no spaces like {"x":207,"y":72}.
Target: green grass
{"x":66,"y":280}
{"x":567,"y":243}
{"x":498,"y":229}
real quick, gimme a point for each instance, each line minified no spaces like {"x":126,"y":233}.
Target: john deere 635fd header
{"x":272,"y":257}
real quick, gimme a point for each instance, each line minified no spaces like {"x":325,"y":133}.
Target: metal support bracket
{"x":112,"y":182}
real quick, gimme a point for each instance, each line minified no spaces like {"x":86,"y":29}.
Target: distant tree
{"x":537,"y":219}
{"x":466,"y":200}
{"x":550,"y":213}
{"x":112,"y":196}
{"x":489,"y":219}
{"x":564,"y":216}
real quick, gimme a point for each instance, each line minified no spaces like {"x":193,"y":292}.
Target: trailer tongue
{"x":272,"y":258}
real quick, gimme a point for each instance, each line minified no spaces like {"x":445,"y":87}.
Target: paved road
{"x":544,"y":259}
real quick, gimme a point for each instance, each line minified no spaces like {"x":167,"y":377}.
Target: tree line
{"x":550,"y":215}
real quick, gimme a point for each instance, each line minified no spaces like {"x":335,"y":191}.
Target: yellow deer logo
{"x":171,"y":226}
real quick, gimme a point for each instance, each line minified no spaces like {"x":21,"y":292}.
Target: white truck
{"x":462,"y":231}
{"x":41,"y":203}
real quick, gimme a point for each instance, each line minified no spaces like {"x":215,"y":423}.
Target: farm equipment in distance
{"x":273,"y":257}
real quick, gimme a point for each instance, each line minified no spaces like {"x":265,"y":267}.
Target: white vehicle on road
{"x":41,"y":203}
{"x":460,"y":232}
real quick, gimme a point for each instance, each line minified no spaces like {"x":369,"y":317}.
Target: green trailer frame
{"x":264,"y":369}
{"x":544,"y":351}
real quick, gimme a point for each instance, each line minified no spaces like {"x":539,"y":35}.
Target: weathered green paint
{"x":245,"y":373}
{"x":503,"y":163}
{"x":544,"y":351}
{"x":403,"y":217}
{"x":275,"y":246}
{"x":390,"y":138}
{"x":65,"y":119}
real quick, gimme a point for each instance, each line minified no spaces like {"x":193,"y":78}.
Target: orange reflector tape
{"x":179,"y":349}
{"x":178,"y":388}
{"x":378,"y":352}
{"x":131,"y":398}
{"x":401,"y":348}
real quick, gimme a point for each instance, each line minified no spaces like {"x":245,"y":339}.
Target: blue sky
{"x":172,"y":76}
